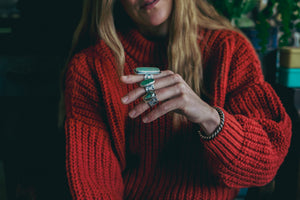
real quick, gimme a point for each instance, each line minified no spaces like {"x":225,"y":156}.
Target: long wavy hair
{"x":102,"y":18}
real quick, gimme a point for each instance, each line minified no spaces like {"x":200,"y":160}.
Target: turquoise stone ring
{"x":149,"y":96}
{"x":151,"y":99}
{"x":147,"y":82}
{"x":147,"y":70}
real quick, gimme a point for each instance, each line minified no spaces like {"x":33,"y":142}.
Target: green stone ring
{"x":147,"y":82}
{"x":152,"y":102}
{"x":150,"y":98}
{"x":147,"y":70}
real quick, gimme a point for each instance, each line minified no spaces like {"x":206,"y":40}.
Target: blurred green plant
{"x":235,"y":10}
{"x":284,"y":14}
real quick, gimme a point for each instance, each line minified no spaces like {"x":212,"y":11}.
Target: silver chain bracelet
{"x":218,"y":129}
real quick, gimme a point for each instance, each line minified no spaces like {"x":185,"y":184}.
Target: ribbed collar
{"x":142,"y":50}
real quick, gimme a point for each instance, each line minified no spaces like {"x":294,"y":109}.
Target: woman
{"x":210,"y":126}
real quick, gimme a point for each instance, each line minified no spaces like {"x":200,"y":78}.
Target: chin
{"x":156,"y":21}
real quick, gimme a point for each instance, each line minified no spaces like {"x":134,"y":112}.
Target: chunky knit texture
{"x":110,"y":156}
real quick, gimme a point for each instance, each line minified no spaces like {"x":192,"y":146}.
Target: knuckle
{"x":169,"y":72}
{"x":139,"y":92}
{"x":184,"y":98}
{"x":133,"y":95}
{"x":163,"y":108}
{"x":177,"y":77}
{"x":180,"y":87}
{"x":130,"y":77}
{"x":138,"y":109}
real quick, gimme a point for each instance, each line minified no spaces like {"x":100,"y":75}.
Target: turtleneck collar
{"x":144,"y":51}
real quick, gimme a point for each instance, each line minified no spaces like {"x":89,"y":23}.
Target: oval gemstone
{"x":147,"y":70}
{"x":147,"y":82}
{"x":149,"y":96}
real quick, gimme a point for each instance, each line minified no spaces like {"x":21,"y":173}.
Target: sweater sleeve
{"x":257,"y":131}
{"x":93,"y":169}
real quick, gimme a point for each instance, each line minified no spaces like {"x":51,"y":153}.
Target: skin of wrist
{"x":211,"y":122}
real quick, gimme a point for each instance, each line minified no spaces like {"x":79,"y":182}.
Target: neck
{"x":155,"y":33}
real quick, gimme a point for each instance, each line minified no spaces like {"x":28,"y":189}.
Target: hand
{"x":175,"y":95}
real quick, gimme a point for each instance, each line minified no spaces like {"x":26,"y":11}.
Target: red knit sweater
{"x":111,"y":156}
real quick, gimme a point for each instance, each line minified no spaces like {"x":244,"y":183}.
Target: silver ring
{"x":150,"y":98}
{"x":148,"y":76}
{"x":149,"y":88}
{"x":153,"y":102}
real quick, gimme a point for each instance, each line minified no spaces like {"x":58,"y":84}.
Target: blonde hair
{"x":184,"y":57}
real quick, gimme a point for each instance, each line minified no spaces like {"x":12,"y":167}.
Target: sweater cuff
{"x":227,"y":145}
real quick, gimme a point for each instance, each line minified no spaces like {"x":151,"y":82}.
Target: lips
{"x":149,"y":4}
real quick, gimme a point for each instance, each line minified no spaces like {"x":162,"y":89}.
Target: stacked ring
{"x":148,"y":83}
{"x":150,"y":98}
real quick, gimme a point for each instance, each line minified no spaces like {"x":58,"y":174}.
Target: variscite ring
{"x":150,"y":98}
{"x":147,"y":70}
{"x":147,"y":82}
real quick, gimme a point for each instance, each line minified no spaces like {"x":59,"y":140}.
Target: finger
{"x":161,"y":95}
{"x":164,"y":108}
{"x":173,"y":79}
{"x":133,"y":95}
{"x":168,"y":81}
{"x":138,"y":109}
{"x":171,"y":92}
{"x":173,"y":97}
{"x":133,"y":78}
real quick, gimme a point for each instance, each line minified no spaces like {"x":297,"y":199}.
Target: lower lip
{"x":150,"y":6}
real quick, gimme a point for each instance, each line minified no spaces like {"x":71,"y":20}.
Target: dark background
{"x":32,"y":148}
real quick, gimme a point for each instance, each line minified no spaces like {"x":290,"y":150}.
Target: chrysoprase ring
{"x":147,"y":82}
{"x":147,"y":70}
{"x":150,"y":98}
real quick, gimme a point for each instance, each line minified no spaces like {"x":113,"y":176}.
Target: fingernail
{"x":145,"y":120}
{"x":124,"y":99}
{"x":124,"y":77}
{"x":132,"y":114}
